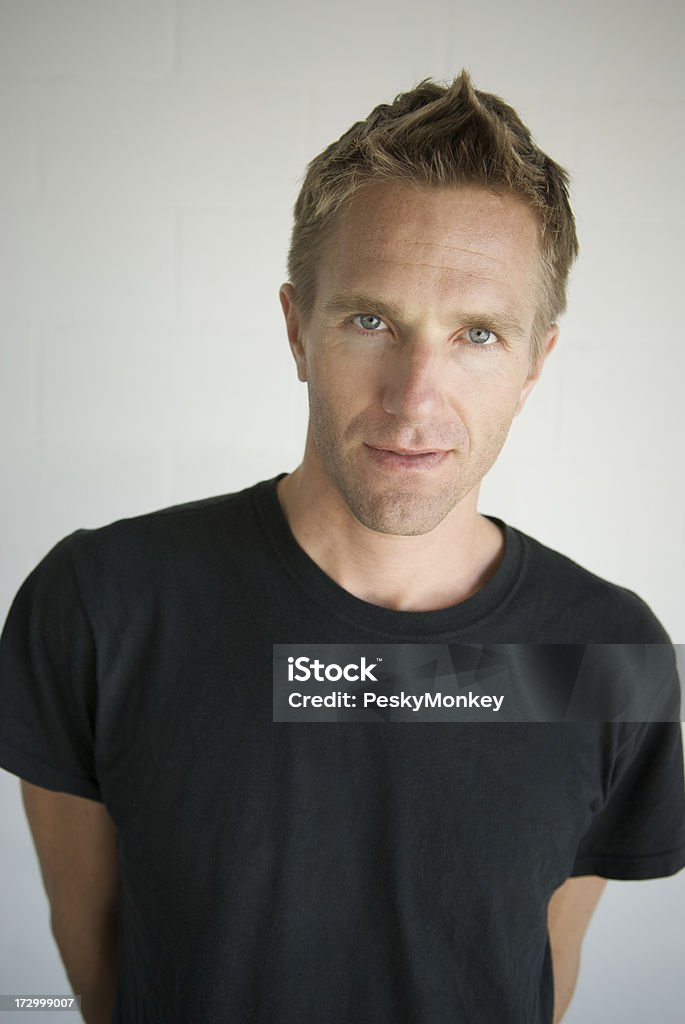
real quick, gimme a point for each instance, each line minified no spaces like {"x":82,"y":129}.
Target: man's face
{"x":416,"y":354}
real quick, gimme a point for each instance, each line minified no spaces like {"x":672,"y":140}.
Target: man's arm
{"x":75,"y":840}
{"x":568,"y":915}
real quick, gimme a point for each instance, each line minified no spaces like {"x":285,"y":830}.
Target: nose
{"x":413,"y":382}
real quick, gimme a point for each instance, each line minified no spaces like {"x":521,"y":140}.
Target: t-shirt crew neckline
{"x":371,"y":618}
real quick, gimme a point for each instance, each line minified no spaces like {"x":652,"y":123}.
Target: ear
{"x":534,"y":372}
{"x":294,"y":329}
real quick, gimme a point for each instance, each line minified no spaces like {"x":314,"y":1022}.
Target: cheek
{"x":343,"y":381}
{"x":488,"y":387}
{"x":486,"y":405}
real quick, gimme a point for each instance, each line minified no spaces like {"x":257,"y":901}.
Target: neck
{"x":419,"y":573}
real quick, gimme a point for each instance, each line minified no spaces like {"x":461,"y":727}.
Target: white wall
{"x":150,"y":156}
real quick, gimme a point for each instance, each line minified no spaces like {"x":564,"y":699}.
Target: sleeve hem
{"x":636,"y":868}
{"x":40,"y":774}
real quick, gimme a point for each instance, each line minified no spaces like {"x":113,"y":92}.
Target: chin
{"x":400,"y":515}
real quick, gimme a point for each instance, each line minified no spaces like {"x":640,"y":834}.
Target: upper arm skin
{"x":568,"y":915}
{"x":76,"y":843}
{"x":75,"y":840}
{"x":571,"y":907}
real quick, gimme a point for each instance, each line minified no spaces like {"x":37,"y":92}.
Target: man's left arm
{"x":568,"y":915}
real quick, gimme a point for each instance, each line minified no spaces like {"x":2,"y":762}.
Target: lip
{"x":409,"y":451}
{"x":407,"y":459}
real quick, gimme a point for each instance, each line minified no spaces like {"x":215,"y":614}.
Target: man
{"x":204,"y":862}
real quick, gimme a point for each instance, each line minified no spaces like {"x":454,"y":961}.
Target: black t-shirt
{"x":279,"y":872}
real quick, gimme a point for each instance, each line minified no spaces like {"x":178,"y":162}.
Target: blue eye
{"x":368,"y":322}
{"x":481,"y":336}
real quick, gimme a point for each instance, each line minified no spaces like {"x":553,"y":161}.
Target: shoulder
{"x":188,"y":525}
{"x":576,"y":604}
{"x":138,"y":556}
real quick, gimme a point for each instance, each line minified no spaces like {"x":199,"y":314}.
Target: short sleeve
{"x":48,"y":688}
{"x":639,"y":832}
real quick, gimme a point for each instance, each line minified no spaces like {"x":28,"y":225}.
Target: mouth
{"x":407,"y":458}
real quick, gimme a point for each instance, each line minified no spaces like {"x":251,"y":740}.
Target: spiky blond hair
{"x":439,"y":136}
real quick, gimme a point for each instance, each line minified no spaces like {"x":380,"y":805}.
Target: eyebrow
{"x":358,"y":302}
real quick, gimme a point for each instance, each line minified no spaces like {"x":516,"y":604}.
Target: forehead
{"x":465,"y":240}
